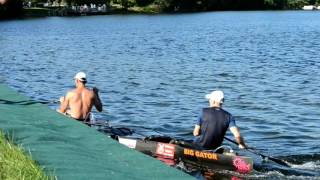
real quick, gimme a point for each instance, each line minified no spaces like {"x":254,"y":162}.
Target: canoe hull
{"x":200,"y":158}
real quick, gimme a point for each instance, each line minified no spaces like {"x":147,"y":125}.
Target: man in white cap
{"x":213,"y":123}
{"x":79,"y":101}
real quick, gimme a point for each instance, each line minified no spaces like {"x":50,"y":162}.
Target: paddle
{"x":48,"y":102}
{"x":279,"y":161}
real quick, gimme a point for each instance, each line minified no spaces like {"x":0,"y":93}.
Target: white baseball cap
{"x":81,"y":76}
{"x":216,"y":96}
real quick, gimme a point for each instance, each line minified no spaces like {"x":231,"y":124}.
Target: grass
{"x":15,"y":164}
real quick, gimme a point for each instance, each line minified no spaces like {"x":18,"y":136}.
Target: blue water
{"x":154,"y":71}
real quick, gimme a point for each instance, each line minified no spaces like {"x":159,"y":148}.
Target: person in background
{"x":213,"y":123}
{"x":78,"y":102}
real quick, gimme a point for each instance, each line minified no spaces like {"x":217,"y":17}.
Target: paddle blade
{"x":265,"y":157}
{"x":279,"y":161}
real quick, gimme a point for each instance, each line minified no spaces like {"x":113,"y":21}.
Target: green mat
{"x":71,"y":150}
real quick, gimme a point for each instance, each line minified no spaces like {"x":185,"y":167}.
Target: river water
{"x":153,"y":72}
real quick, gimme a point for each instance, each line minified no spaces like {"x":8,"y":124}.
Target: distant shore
{"x":85,"y":11}
{"x":67,"y":11}
{"x":22,"y":9}
{"x":44,"y":10}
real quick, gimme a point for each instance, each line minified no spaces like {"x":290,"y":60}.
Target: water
{"x":154,"y":71}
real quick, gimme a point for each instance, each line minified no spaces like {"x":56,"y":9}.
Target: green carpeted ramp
{"x":71,"y":150}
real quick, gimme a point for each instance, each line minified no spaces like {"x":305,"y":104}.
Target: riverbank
{"x":15,"y":164}
{"x":70,"y":149}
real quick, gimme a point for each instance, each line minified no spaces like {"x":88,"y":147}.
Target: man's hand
{"x":241,"y":146}
{"x":196,"y":131}
{"x":61,"y":99}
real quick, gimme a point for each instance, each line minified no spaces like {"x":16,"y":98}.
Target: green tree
{"x":312,"y":2}
{"x":144,"y":2}
{"x":297,"y":4}
{"x":125,"y":3}
{"x":80,"y":2}
{"x":163,"y":5}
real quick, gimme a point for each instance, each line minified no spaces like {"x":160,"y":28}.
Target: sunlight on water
{"x":308,"y":165}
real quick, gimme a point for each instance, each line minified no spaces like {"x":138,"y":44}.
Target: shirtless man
{"x":79,"y":101}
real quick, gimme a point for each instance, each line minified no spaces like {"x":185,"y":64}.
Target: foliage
{"x":163,"y":5}
{"x":203,"y":5}
{"x":144,"y":2}
{"x":14,"y":164}
{"x":297,"y":4}
{"x":88,"y":2}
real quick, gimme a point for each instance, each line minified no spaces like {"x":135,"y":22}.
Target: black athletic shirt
{"x":214,"y":123}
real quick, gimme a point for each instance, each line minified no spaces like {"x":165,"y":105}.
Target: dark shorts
{"x":80,"y":119}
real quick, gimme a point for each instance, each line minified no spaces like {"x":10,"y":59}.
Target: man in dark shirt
{"x":214,"y":122}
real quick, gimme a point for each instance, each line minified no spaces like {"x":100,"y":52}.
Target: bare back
{"x":80,"y":102}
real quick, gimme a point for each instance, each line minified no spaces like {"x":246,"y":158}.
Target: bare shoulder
{"x":89,"y":92}
{"x":70,"y":93}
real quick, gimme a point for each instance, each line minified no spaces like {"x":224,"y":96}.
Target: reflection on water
{"x":153,"y":71}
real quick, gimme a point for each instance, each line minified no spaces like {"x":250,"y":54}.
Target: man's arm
{"x":236,"y":133}
{"x":196,"y":131}
{"x":64,"y":103}
{"x":97,"y":101}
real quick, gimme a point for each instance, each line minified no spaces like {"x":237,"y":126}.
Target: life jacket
{"x":215,"y":123}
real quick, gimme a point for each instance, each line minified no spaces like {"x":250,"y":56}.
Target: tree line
{"x":216,"y":5}
{"x":205,"y":5}
{"x":13,"y":7}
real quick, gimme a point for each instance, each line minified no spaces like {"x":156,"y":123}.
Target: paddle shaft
{"x":49,"y":102}
{"x":279,"y":161}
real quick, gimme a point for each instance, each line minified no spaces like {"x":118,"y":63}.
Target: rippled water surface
{"x":154,"y":71}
